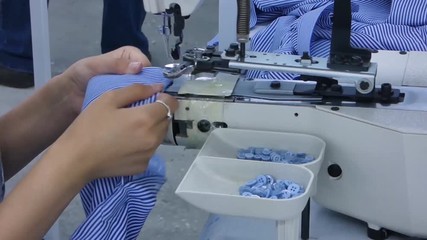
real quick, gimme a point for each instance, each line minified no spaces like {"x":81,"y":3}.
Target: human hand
{"x":109,"y":139}
{"x":124,"y":60}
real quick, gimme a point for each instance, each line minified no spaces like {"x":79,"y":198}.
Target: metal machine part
{"x":176,"y":10}
{"x":331,"y":84}
{"x":243,"y":31}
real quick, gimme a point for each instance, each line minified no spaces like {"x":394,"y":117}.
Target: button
{"x":261,"y":180}
{"x":265,"y":158}
{"x":294,"y":188}
{"x":285,"y":194}
{"x":243,"y":189}
{"x":241,"y":154}
{"x":258,"y":151}
{"x":249,"y":156}
{"x":309,"y":158}
{"x":251,"y":183}
{"x":275,"y":157}
{"x":266,"y":151}
{"x":270,"y":179}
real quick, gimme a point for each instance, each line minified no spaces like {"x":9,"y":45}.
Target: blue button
{"x":241,"y":154}
{"x":285,"y":194}
{"x":246,"y":194}
{"x":275,"y":157}
{"x":261,"y":180}
{"x":249,"y":156}
{"x":243,"y":189}
{"x":251,"y":150}
{"x":309,"y":158}
{"x":281,"y":185}
{"x":301,"y":154}
{"x":259,"y":192}
{"x":257,"y":157}
{"x":270,"y":179}
{"x":251,"y":182}
{"x":258,"y":151}
{"x":294,"y":188}
{"x":266,"y":151}
{"x":265,"y":158}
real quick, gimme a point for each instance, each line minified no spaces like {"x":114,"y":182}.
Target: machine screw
{"x":364,"y":85}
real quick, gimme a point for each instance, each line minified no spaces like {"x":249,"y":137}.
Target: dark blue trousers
{"x":121,"y":25}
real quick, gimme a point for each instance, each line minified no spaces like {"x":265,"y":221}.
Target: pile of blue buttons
{"x":265,"y":186}
{"x":271,"y":155}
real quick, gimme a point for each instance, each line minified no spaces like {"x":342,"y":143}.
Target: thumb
{"x":125,"y":96}
{"x":120,"y":66}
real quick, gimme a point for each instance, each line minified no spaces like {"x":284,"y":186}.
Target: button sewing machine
{"x":373,"y":122}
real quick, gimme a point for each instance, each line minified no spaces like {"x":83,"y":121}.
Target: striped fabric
{"x":117,"y":207}
{"x":399,"y":25}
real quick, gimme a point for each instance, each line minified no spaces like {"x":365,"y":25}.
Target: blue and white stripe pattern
{"x":117,"y":207}
{"x":399,"y":25}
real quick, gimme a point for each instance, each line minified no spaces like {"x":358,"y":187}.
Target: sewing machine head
{"x":208,"y":80}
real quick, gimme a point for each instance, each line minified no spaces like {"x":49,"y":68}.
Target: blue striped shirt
{"x":399,"y":25}
{"x":117,"y":207}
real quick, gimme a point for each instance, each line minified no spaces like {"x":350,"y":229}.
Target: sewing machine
{"x":369,"y":108}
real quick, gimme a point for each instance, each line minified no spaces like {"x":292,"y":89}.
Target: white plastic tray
{"x":212,"y":184}
{"x":225,"y":142}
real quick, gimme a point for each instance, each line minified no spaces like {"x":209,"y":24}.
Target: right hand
{"x":108,"y":139}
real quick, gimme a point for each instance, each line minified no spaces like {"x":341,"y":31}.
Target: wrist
{"x":70,"y":92}
{"x":68,"y":163}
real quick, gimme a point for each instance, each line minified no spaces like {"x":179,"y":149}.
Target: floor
{"x":75,"y":27}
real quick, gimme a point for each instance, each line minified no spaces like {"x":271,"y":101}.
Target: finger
{"x":109,"y":65}
{"x":158,"y":111}
{"x":131,"y":53}
{"x":128,"y":95}
{"x":161,"y":128}
{"x":125,"y":60}
{"x":169,"y":100}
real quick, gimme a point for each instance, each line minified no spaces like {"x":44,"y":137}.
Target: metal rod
{"x":299,"y":70}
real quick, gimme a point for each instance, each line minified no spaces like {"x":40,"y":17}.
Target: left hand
{"x":124,"y":60}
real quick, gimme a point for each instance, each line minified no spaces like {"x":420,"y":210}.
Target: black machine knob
{"x":234,"y":46}
{"x":204,"y":125}
{"x":334,"y":170}
{"x":229,"y":52}
{"x":386,"y":90}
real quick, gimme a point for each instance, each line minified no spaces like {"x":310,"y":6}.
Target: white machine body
{"x":380,"y":151}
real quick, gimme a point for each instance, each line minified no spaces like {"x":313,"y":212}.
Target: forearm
{"x":38,"y":200}
{"x":35,"y":124}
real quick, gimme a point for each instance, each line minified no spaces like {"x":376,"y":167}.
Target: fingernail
{"x":135,"y":66}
